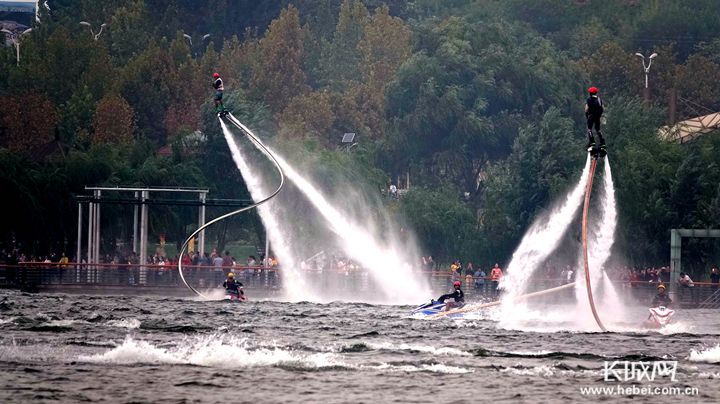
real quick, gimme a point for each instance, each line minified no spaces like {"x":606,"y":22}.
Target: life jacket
{"x":595,"y":105}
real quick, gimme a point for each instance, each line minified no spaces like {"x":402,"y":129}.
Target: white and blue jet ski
{"x":433,"y":308}
{"x":429,"y":309}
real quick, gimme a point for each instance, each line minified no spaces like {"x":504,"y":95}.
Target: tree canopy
{"x":480,"y":103}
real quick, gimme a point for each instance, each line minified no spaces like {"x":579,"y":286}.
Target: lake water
{"x":78,"y":348}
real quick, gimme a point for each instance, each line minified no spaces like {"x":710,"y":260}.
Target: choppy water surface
{"x":70,"y":348}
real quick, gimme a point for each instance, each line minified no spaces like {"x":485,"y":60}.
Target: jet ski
{"x":429,"y":309}
{"x":233,"y":297}
{"x":433,"y":308}
{"x":659,"y":317}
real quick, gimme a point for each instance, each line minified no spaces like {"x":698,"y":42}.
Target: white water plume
{"x":601,"y":237}
{"x":539,"y":242}
{"x":298,"y":290}
{"x":389,"y":266}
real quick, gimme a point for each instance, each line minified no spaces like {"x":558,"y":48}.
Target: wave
{"x":162,"y":325}
{"x":431,"y":367}
{"x":232,"y":352}
{"x":709,"y":355}
{"x":417,"y":348}
{"x":6,"y":320}
{"x":129,"y":323}
{"x":212,"y":351}
{"x":561,"y":355}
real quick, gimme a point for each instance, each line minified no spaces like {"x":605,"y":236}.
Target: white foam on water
{"x":530,"y":353}
{"x":433,"y":368}
{"x":65,"y":322}
{"x":545,"y":371}
{"x":6,"y":320}
{"x":131,"y":352}
{"x":418,"y":348}
{"x":707,"y":355}
{"x":211,"y":351}
{"x":129,"y":323}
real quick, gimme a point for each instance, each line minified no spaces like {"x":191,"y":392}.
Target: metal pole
{"x":143,"y":238}
{"x":135,"y":226}
{"x":675,"y":257}
{"x":97,"y":229}
{"x":201,"y":223}
{"x":78,"y":251}
{"x":91,"y":211}
{"x":88,"y":253}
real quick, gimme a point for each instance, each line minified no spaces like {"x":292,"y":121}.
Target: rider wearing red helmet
{"x":457,"y":295}
{"x":218,"y":86}
{"x":593,"y":111}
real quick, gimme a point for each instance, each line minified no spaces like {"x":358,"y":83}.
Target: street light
{"x":646,"y":67}
{"x":15,"y":38}
{"x":189,"y":38}
{"x":96,"y":36}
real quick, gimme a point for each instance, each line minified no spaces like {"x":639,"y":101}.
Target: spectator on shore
{"x":217,"y":268}
{"x":393,"y":191}
{"x":479,"y":280}
{"x":714,"y":276}
{"x":495,"y":276}
{"x":687,"y":283}
{"x":664,"y":274}
{"x":64,"y":260}
{"x":469,"y":279}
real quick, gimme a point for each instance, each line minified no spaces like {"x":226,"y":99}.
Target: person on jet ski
{"x":457,"y":295}
{"x":661,"y":299}
{"x":233,"y":287}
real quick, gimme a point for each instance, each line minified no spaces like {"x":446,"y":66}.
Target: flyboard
{"x":230,"y":118}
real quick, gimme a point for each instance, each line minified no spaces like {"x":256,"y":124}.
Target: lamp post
{"x":646,"y":68}
{"x":189,"y":38}
{"x":94,"y":35}
{"x":15,"y":38}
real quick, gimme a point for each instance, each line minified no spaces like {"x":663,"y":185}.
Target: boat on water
{"x":432,"y":308}
{"x":659,"y":317}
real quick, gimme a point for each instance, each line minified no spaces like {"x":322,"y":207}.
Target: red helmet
{"x":215,"y":75}
{"x":592,"y":90}
{"x":457,"y":283}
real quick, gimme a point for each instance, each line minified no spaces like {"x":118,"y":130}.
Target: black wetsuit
{"x":458,"y":295}
{"x":594,"y":112}
{"x":661,"y":299}
{"x":233,"y":287}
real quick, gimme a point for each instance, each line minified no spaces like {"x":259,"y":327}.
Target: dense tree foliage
{"x":479,"y":102}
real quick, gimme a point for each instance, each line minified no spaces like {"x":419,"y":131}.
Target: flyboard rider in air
{"x":593,"y":111}
{"x":219,"y":89}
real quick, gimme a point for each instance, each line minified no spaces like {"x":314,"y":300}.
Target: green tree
{"x":279,"y":66}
